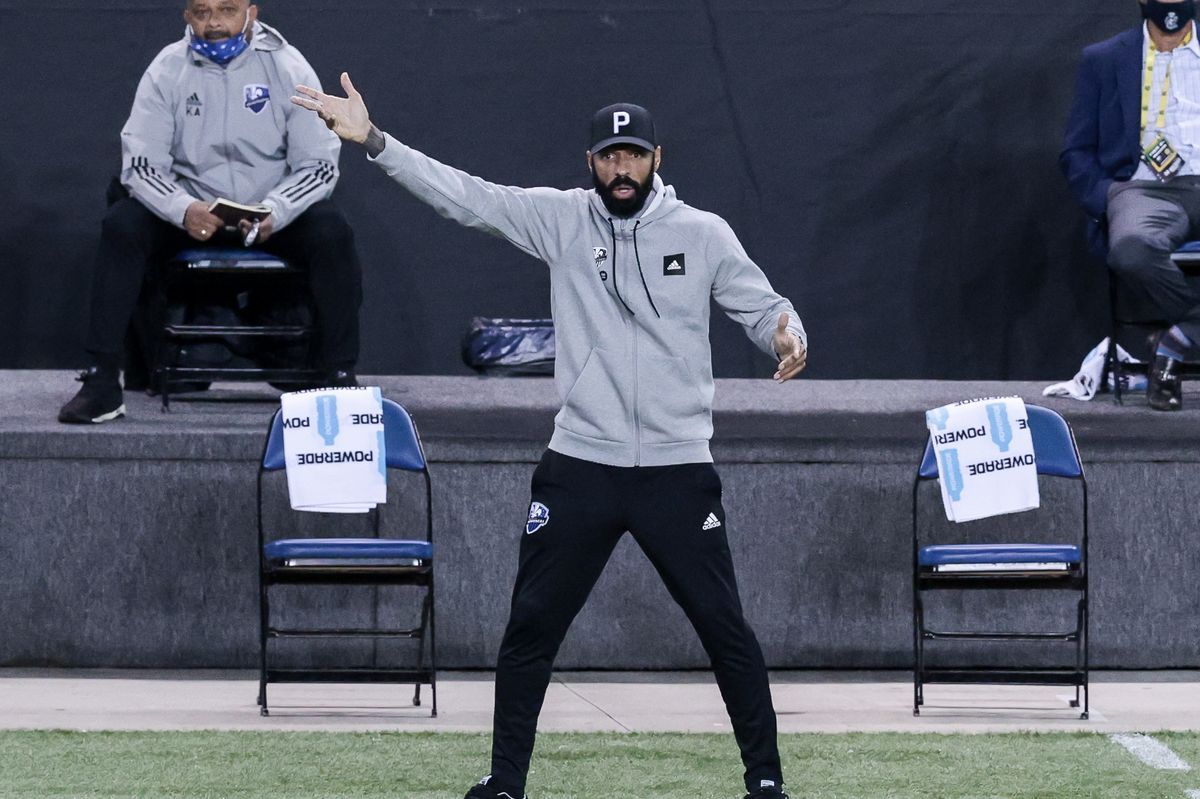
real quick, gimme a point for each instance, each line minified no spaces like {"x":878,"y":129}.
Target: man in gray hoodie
{"x":210,"y":119}
{"x":632,"y":271}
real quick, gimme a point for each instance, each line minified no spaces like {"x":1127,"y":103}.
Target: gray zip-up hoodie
{"x":630,"y":300}
{"x":198,"y":131}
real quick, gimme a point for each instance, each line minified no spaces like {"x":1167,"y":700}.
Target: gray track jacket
{"x":198,"y":131}
{"x":633,"y":366}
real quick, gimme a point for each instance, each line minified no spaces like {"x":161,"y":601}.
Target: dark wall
{"x":891,"y":165}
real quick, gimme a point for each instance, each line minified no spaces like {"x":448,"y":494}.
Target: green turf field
{"x":443,"y":765}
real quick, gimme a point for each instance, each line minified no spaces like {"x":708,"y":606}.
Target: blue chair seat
{"x":330,"y":549}
{"x":1187,"y":257}
{"x":233,"y":258}
{"x":972,"y":554}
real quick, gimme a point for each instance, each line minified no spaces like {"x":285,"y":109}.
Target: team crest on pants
{"x":539,"y":517}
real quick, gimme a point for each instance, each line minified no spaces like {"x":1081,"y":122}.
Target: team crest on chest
{"x":600,"y":256}
{"x":257,"y":96}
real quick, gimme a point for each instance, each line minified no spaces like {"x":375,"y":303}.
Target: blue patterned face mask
{"x":223,"y":51}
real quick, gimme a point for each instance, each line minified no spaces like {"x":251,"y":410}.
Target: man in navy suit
{"x":1132,"y":158}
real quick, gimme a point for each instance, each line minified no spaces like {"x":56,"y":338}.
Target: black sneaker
{"x":486,"y":791}
{"x":100,"y":399}
{"x":1164,"y":391}
{"x":768,"y":790}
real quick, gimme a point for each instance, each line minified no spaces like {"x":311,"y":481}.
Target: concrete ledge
{"x":132,"y":543}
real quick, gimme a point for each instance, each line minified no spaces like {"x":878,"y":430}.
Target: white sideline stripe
{"x":1153,"y":753}
{"x":1194,"y":793}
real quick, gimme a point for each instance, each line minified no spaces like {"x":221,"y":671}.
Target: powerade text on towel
{"x":985,"y":457}
{"x":334,"y":444}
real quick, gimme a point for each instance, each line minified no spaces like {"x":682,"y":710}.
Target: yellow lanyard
{"x":1166,"y":87}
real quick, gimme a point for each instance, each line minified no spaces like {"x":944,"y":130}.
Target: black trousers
{"x":134,"y":242}
{"x":588,"y":507}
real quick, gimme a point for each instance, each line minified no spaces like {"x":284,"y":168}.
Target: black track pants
{"x":588,"y":508}
{"x":134,"y":241}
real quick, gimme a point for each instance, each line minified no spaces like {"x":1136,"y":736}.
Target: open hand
{"x":792,"y":354}
{"x":346,"y":116}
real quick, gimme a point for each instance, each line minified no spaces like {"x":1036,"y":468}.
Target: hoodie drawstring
{"x":638,"y":258}
{"x":613,"y":230}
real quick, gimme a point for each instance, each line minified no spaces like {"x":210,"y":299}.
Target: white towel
{"x":985,"y":457}
{"x":333,"y":443}
{"x":1087,"y":380}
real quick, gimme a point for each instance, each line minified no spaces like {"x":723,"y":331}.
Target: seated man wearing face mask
{"x":211,"y":119}
{"x":1132,"y":158}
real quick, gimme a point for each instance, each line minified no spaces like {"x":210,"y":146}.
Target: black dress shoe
{"x":1164,"y":391}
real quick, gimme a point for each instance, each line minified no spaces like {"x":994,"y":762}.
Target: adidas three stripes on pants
{"x":579,"y":511}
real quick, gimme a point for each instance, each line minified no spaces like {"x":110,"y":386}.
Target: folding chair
{"x":372,"y":561}
{"x":1014,"y":566}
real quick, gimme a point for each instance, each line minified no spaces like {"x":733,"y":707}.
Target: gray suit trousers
{"x":1147,"y":221}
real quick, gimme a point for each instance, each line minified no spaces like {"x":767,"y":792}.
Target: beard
{"x":627,"y":207}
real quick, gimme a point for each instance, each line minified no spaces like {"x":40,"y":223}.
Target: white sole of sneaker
{"x":108,"y":417}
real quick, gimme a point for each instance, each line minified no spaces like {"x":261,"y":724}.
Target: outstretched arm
{"x":745,"y":295}
{"x":529,"y":218}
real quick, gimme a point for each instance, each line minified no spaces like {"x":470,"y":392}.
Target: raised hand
{"x":792,"y":354}
{"x":346,"y":116}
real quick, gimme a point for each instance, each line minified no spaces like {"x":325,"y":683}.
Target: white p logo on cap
{"x":620,"y":120}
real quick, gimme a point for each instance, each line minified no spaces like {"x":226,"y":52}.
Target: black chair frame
{"x":177,"y":333}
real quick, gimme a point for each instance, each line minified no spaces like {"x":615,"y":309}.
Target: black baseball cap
{"x":622,"y":123}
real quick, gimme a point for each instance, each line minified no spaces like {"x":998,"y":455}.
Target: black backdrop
{"x":891,"y":164}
